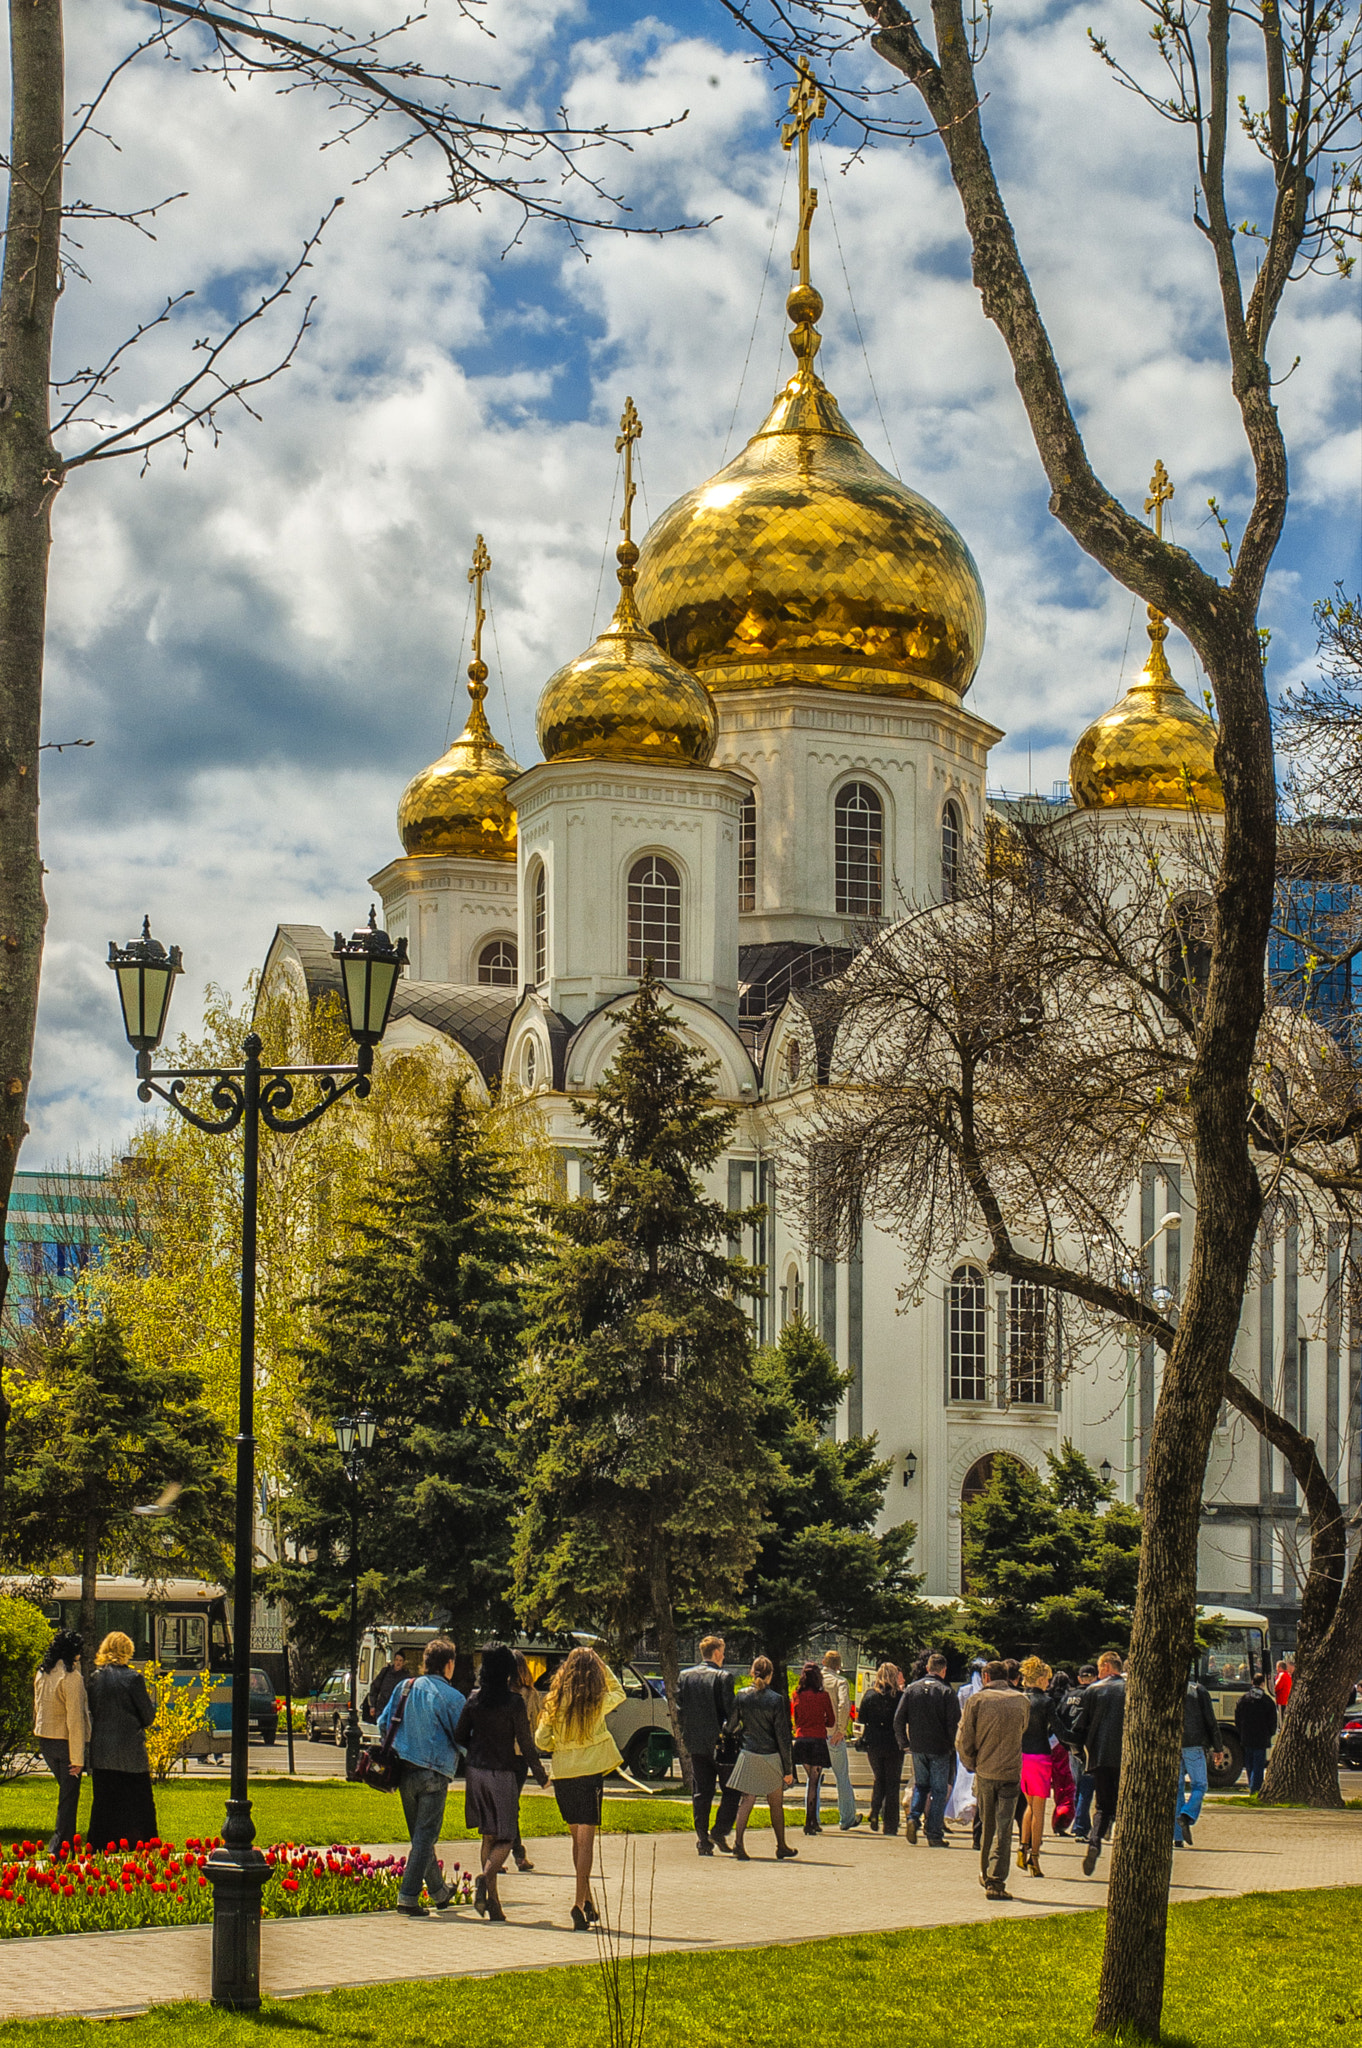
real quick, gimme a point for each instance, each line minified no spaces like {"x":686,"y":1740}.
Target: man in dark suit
{"x":1099,"y":1726}
{"x":704,"y":1702}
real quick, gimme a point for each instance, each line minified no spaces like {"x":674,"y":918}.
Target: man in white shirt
{"x":839,"y":1692}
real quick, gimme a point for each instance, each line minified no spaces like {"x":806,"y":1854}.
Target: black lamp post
{"x":354,"y":1438}
{"x":249,"y":1095}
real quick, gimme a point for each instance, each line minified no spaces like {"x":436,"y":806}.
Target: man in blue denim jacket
{"x":431,"y":1706}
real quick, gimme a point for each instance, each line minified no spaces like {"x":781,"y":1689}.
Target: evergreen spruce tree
{"x":95,"y":1433}
{"x":641,"y":1463}
{"x":422,"y":1324}
{"x":820,"y":1570}
{"x":1051,"y":1563}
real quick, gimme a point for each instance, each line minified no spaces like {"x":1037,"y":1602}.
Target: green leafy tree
{"x":1052,"y":1564}
{"x":421,"y":1323}
{"x":97,"y":1432}
{"x":820,"y":1570}
{"x":639,"y":1448}
{"x":24,"y":1636}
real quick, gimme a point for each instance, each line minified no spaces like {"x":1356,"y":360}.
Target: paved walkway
{"x":699,"y":1904}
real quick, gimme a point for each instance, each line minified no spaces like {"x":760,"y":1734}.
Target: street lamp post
{"x":249,"y":1095}
{"x":354,"y":1438}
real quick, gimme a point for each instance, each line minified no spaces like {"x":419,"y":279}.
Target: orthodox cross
{"x":631,"y":426}
{"x":1160,"y":492}
{"x":808,"y":103}
{"x":477,"y":667}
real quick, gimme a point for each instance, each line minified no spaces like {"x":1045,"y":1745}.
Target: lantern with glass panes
{"x":250,"y":1095}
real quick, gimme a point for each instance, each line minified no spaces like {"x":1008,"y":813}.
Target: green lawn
{"x":315,"y":1811}
{"x":1276,"y":1970}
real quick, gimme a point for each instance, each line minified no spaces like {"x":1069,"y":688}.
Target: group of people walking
{"x":101,"y":1728}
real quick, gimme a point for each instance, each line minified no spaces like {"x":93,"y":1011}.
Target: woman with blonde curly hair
{"x":1037,"y":1775}
{"x":572,"y":1732}
{"x":121,"y":1711}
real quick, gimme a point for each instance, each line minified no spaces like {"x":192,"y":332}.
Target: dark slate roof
{"x":768,"y":974}
{"x":477,"y":1019}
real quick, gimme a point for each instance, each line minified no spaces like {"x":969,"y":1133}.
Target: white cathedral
{"x":768,"y":743}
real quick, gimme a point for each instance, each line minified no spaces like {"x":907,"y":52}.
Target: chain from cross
{"x":1160,"y":492}
{"x":808,"y":103}
{"x":482,"y":562}
{"x":631,"y":426}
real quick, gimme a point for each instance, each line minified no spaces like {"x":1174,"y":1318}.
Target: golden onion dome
{"x":625,"y":699}
{"x":805,"y":561}
{"x":459,"y":805}
{"x":1153,"y":750}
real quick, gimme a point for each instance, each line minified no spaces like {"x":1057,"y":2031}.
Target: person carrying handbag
{"x":704,"y":1707}
{"x":426,"y":1711}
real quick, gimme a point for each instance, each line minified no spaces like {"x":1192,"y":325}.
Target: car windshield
{"x":1234,"y":1658}
{"x":262,"y":1682}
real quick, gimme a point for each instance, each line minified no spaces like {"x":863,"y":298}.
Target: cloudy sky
{"x":264,"y":643}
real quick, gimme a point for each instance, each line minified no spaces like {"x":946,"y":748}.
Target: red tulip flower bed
{"x":154,"y":1884}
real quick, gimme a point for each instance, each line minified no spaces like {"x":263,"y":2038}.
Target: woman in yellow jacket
{"x":572,"y":1732}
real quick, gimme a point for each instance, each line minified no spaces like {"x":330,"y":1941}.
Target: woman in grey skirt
{"x":765,"y":1766}
{"x":492,"y":1727}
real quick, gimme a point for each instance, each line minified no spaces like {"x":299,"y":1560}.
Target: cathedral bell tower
{"x":628,"y":838}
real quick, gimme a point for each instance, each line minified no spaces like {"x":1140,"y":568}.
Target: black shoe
{"x":875,"y":1824}
{"x":937,"y":1842}
{"x":722,"y":1844}
{"x":785,"y":1852}
{"x":580,"y":1922}
{"x":443,"y":1905}
{"x":590,"y":1911}
{"x":740,"y":1854}
{"x":996,"y":1891}
{"x":811,"y":1829}
{"x":1090,"y":1856}
{"x":1060,"y":1827}
{"x":480,"y":1897}
{"x":1076,"y":1837}
{"x":494,"y":1911}
{"x":416,"y":1912}
{"x":910,"y":1829}
{"x":523,"y":1863}
{"x":704,"y":1848}
{"x":1186,"y":1833}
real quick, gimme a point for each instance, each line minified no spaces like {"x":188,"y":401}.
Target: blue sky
{"x":264,"y":645}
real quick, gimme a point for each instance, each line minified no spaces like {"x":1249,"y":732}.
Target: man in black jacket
{"x":385,"y":1685}
{"x":1200,"y":1740}
{"x":1099,"y":1726}
{"x":704,"y":1702}
{"x":1255,"y":1723}
{"x":926,"y":1723}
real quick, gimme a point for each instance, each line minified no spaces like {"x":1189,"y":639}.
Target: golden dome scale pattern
{"x":1153,"y":750}
{"x":625,"y":699}
{"x":458,"y":806}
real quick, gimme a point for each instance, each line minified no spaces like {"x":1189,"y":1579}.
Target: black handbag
{"x":379,"y":1765}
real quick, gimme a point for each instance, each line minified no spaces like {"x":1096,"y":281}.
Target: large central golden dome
{"x":805,"y":561}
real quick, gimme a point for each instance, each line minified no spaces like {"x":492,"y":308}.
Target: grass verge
{"x":1275,"y":1970}
{"x":317,"y":1811}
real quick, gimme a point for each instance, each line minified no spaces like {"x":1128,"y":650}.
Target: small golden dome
{"x":625,"y":699}
{"x":805,"y":561}
{"x":458,"y":805}
{"x":1153,"y":750}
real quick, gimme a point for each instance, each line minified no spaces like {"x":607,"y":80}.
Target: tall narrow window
{"x":1028,"y":1332}
{"x":859,"y":851}
{"x":539,"y":924}
{"x":655,"y":917}
{"x":497,"y":964}
{"x":747,"y":855}
{"x":950,"y":852}
{"x":966,"y":1335}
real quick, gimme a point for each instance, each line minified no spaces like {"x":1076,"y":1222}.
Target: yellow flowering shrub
{"x":182,"y":1707}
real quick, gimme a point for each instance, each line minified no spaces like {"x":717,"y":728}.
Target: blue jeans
{"x":841,"y":1771}
{"x":1194,"y":1771}
{"x":424,"y":1793}
{"x":1083,"y":1791}
{"x":1255,"y":1763}
{"x":931,"y":1789}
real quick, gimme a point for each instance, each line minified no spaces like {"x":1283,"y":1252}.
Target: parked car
{"x":1350,"y":1739}
{"x":328,"y":1712}
{"x":264,"y":1709}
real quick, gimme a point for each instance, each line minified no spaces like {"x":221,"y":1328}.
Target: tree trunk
{"x":89,"y":1568}
{"x":30,"y":475}
{"x":669,"y":1656}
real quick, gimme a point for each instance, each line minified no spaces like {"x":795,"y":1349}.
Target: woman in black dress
{"x":121,"y":1710}
{"x":881,"y":1745}
{"x":492,"y":1727}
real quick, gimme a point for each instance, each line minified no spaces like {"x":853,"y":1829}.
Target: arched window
{"x":950,"y":852}
{"x":747,"y":855}
{"x":530,"y":1064}
{"x":1189,"y":952}
{"x":539,"y":925}
{"x":966,"y":1335}
{"x":859,"y":851}
{"x":655,"y":917}
{"x":1028,"y":1342}
{"x":497,"y":964}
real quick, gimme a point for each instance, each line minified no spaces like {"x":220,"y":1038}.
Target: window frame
{"x":641,"y":946}
{"x":538,"y":922}
{"x":507,"y":945}
{"x":967,"y":1275}
{"x":852,"y":892}
{"x":1028,"y":1348}
{"x":747,"y":855}
{"x":952,"y":839}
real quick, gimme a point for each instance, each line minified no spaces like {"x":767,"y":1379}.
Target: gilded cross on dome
{"x":631,"y":426}
{"x":1160,"y":491}
{"x":808,"y":103}
{"x":477,"y":667}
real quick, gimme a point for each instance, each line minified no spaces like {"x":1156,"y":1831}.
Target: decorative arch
{"x":977,"y":1481}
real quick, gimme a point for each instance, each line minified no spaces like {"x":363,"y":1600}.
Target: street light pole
{"x":354,"y":1437}
{"x":247,"y":1095}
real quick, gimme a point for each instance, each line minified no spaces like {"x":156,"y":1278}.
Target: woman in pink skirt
{"x":1037,"y":1778}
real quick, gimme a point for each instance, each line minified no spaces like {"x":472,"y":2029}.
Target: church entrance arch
{"x":975,"y":1482}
